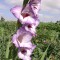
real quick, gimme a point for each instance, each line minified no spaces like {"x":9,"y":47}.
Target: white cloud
{"x":47,"y":6}
{"x":45,"y":18}
{"x":14,"y":2}
{"x":52,"y":6}
{"x":1,"y":13}
{"x":2,"y":6}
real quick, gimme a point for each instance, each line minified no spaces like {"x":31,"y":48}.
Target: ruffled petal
{"x":20,"y":55}
{"x":24,"y":57}
{"x":35,"y":6}
{"x":26,"y":35}
{"x":29,"y":20}
{"x":32,"y":29}
{"x":14,"y":40}
{"x":22,"y":38}
{"x":27,"y":45}
{"x":27,"y":58}
{"x":25,"y":53}
{"x":29,"y":51}
{"x":16,"y":11}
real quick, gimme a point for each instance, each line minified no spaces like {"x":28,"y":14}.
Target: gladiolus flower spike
{"x":28,"y":17}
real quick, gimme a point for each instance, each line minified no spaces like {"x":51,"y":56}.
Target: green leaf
{"x":44,"y":54}
{"x":49,"y":57}
{"x":7,"y":50}
{"x":25,"y":2}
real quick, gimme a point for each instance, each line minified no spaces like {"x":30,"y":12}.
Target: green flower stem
{"x":7,"y":49}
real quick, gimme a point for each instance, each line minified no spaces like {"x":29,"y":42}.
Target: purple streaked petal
{"x":29,"y":20}
{"x":25,"y":53}
{"x":14,"y":40}
{"x":22,"y":53}
{"x":22,"y":38}
{"x":31,"y":30}
{"x":37,"y":23}
{"x":29,"y":51}
{"x":25,"y":35}
{"x":24,"y":57}
{"x":16,"y":11}
{"x":27,"y":58}
{"x":27,"y":45}
{"x":34,"y":7}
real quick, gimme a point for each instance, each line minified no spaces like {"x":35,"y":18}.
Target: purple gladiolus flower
{"x":20,"y":38}
{"x":17,"y":13}
{"x":27,"y":20}
{"x":28,"y":17}
{"x":25,"y":53}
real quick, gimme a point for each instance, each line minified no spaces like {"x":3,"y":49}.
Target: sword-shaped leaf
{"x":24,"y":3}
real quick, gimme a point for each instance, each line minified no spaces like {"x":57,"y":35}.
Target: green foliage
{"x":44,"y":54}
{"x":48,"y":34}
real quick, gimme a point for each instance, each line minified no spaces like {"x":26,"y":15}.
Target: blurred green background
{"x":47,"y":41}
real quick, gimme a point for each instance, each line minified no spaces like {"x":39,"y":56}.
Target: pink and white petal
{"x":18,"y":32}
{"x":26,"y":36}
{"x":33,"y":47}
{"x":31,"y":30}
{"x":35,"y":6}
{"x":14,"y":40}
{"x":37,"y":23}
{"x":20,"y":55}
{"x":16,"y":11}
{"x":23,"y":56}
{"x":29,"y":20}
{"x":29,"y":52}
{"x":27,"y":58}
{"x":27,"y":45}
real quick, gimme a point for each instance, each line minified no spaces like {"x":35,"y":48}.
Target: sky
{"x":50,"y":10}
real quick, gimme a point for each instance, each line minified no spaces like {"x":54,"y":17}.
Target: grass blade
{"x":7,"y":50}
{"x":44,"y":54}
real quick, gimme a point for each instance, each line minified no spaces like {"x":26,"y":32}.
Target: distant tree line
{"x":58,"y":22}
{"x":2,"y":19}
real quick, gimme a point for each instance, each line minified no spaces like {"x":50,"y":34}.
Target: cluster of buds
{"x":28,"y":17}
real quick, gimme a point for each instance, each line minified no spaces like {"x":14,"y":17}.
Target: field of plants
{"x":47,"y":41}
